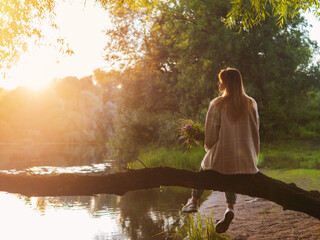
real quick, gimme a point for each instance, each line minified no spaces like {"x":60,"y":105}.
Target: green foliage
{"x":274,"y":62}
{"x":247,"y":14}
{"x":132,"y":131}
{"x":241,"y":14}
{"x":195,"y":45}
{"x":19,"y":19}
{"x":121,"y":7}
{"x":197,"y":228}
{"x":127,"y":37}
{"x":144,"y":113}
{"x":308,"y":120}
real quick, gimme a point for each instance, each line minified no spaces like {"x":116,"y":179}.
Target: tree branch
{"x":289,"y":196}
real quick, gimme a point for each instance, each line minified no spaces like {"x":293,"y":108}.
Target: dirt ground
{"x":260,"y":219}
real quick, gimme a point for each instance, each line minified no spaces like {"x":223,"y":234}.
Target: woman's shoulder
{"x":252,"y":102}
{"x":215,"y":101}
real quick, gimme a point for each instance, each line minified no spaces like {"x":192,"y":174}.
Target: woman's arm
{"x":212,"y":126}
{"x":255,"y":126}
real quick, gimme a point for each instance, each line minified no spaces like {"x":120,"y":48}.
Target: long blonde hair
{"x":233,"y":97}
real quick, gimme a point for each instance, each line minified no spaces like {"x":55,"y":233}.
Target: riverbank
{"x":257,"y":219}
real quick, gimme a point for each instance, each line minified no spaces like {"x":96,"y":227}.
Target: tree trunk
{"x":289,"y":196}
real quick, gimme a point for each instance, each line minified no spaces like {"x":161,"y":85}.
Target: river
{"x":145,"y":214}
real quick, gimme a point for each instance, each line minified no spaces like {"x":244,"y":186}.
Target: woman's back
{"x":232,"y":145}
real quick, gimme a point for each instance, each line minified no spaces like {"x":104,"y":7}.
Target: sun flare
{"x":33,"y":71}
{"x":41,"y":64}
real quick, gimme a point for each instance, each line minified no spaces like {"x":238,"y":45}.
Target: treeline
{"x":70,"y":111}
{"x":170,"y":58}
{"x":173,"y":56}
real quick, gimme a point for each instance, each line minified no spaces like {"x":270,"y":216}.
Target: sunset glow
{"x":107,"y":108}
{"x":35,"y":218}
{"x":81,"y":26}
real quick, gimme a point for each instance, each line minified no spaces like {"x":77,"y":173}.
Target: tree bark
{"x":289,"y":196}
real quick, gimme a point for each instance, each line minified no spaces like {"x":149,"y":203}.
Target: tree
{"x":184,"y":50}
{"x":274,"y":61}
{"x":71,"y":110}
{"x":256,"y":185}
{"x":108,"y":82}
{"x":141,"y":111}
{"x":19,"y":19}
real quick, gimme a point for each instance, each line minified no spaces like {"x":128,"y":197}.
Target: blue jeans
{"x":230,"y":196}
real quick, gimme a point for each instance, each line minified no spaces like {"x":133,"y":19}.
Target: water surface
{"x":136,"y":215}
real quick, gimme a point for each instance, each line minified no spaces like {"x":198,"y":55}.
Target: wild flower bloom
{"x":191,"y":133}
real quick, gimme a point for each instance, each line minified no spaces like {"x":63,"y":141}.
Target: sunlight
{"x":35,"y":71}
{"x":35,"y":218}
{"x":81,"y":26}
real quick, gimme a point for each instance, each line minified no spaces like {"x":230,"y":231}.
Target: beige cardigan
{"x":232,"y":147}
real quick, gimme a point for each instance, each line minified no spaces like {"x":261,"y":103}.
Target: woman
{"x":231,"y":138}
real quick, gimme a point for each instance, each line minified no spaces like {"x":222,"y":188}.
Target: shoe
{"x":191,"y":206}
{"x":223,"y":225}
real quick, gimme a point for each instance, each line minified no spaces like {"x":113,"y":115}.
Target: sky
{"x":82,"y":26}
{"x":314,"y":29}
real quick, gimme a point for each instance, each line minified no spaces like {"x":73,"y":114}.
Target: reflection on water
{"x":100,"y":168}
{"x":38,"y":219}
{"x":49,"y":158}
{"x":136,"y":215}
{"x":25,"y":156}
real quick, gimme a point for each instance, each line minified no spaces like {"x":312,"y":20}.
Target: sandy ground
{"x":260,"y":219}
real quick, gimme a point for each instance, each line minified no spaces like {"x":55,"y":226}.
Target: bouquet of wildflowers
{"x":190,"y":133}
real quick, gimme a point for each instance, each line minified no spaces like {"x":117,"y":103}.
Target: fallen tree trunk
{"x":289,"y":196}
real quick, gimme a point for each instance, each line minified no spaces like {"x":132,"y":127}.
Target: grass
{"x":197,"y":228}
{"x":290,"y":154}
{"x":308,"y":179}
